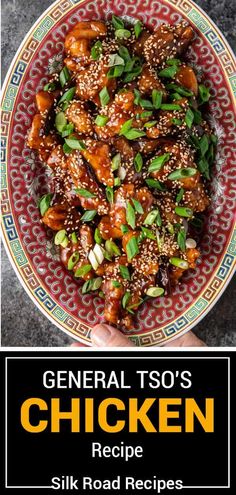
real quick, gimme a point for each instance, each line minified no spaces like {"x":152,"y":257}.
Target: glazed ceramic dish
{"x":25,"y":179}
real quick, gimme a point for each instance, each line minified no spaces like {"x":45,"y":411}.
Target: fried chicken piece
{"x":107,"y":230}
{"x":196,"y":199}
{"x":166,"y":42}
{"x":92,"y":79}
{"x":85,"y":30}
{"x":86,"y":238}
{"x":78,"y":115}
{"x":139,"y":44}
{"x":57,"y":158}
{"x":44,"y":101}
{"x":113,"y":297}
{"x":97,"y":154}
{"x":55,"y":217}
{"x":192,"y":254}
{"x":149,"y":80}
{"x":186,"y":77}
{"x":118,"y":113}
{"x":146,"y":262}
{"x":34,"y":140}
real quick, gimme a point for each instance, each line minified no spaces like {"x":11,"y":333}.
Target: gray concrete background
{"x":22,"y":323}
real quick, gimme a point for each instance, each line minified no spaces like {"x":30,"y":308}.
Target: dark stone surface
{"x":22,"y":323}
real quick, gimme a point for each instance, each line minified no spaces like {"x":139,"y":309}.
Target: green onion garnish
{"x":155,"y":184}
{"x":130,"y":216}
{"x":137,"y":206}
{"x":156,"y":98}
{"x":67,"y":149}
{"x":115,"y":59}
{"x":177,"y":121}
{"x":153,"y":216}
{"x":96,"y":50}
{"x":182,"y":211}
{"x":74,"y":238}
{"x":64,"y":76}
{"x":144,"y":115}
{"x":125,"y":299}
{"x":155,"y":291}
{"x":59,"y":237}
{"x":115,"y":71}
{"x":170,"y":106}
{"x":117,"y":181}
{"x":68,"y":95}
{"x":182,"y":91}
{"x":85,"y":193}
{"x":131,"y":75}
{"x":182,"y":173}
{"x":179,"y":263}
{"x":115,"y":162}
{"x":88,"y":216}
{"x":204,"y":144}
{"x":150,"y":124}
{"x":122,"y":33}
{"x":44,"y":203}
{"x":203,"y":167}
{"x":112,"y":248}
{"x":148,"y":233}
{"x":124,"y":272}
{"x":168,"y":72}
{"x":124,"y":53}
{"x":138,"y":27}
{"x":97,"y":236}
{"x":104,"y":96}
{"x":132,"y":248}
{"x":50,"y":87}
{"x":124,"y":229}
{"x":74,"y":258}
{"x":173,"y":61}
{"x":181,"y":239}
{"x":197,"y":116}
{"x":60,"y":121}
{"x":67,"y":131}
{"x":189,"y":118}
{"x":117,"y":22}
{"x":179,"y":196}
{"x":92,"y":284}
{"x":138,"y":162}
{"x":204,"y":93}
{"x":101,"y":120}
{"x":75,"y":144}
{"x":158,"y":162}
{"x":83,"y":270}
{"x":126,"y":127}
{"x":110,"y":194}
{"x":116,"y":284}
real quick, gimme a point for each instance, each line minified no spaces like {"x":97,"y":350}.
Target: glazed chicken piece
{"x":78,"y":115}
{"x":44,"y":101}
{"x":78,"y":40}
{"x":92,"y":79}
{"x":165,"y":123}
{"x":118,"y":208}
{"x":97,"y":154}
{"x":108,"y":230}
{"x":176,"y":273}
{"x":149,"y":80}
{"x":140,"y":42}
{"x":118,"y":113}
{"x":112,"y":304}
{"x":57,"y":158}
{"x":139,"y":288}
{"x":196,"y":199}
{"x":86,"y":238}
{"x":37,"y":139}
{"x":84,"y":179}
{"x":146,"y":262}
{"x":186,"y":77}
{"x":167,"y":42}
{"x":55,"y":217}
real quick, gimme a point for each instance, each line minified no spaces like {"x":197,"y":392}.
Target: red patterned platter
{"x":24,"y":179}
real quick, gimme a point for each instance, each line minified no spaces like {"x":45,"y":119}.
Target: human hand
{"x":103,"y":335}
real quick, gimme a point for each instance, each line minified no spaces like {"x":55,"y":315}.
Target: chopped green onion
{"x":182,"y":173}
{"x":104,"y":96}
{"x":60,"y":121}
{"x":214,"y":139}
{"x":124,"y":272}
{"x":116,"y":284}
{"x":117,"y":22}
{"x":115,"y":162}
{"x":122,"y":33}
{"x":204,"y":144}
{"x":177,"y":121}
{"x":126,"y":127}
{"x":197,"y":116}
{"x":64,"y":76}
{"x":144,"y":115}
{"x":115,"y":59}
{"x":96,"y":50}
{"x":148,"y":233}
{"x":170,"y":228}
{"x":153,"y":216}
{"x":170,"y":106}
{"x":156,"y":98}
{"x":150,"y":124}
{"x":117,"y":181}
{"x":44,"y":203}
{"x":101,"y":120}
{"x":197,"y":223}
{"x":155,"y":184}
{"x":181,"y":239}
{"x":125,"y":299}
{"x":50,"y":87}
{"x":155,"y":291}
{"x":132,"y":248}
{"x":182,"y":91}
{"x":59,"y":237}
{"x":179,"y":196}
{"x":183,"y":211}
{"x":112,"y":248}
{"x":138,"y":27}
{"x":203,"y":167}
{"x":92,"y":284}
{"x":173,"y":61}
{"x":110,"y":194}
{"x":145,"y":103}
{"x":137,"y":206}
{"x":131,"y":75}
{"x":179,"y":263}
{"x":158,"y":162}
{"x":130,"y":216}
{"x":124,"y":229}
{"x":168,"y":72}
{"x":74,"y":258}
{"x":204,"y":93}
{"x":138,"y":162}
{"x":101,"y":294}
{"x":189,"y":118}
{"x":124,"y":53}
{"x":83,"y":270}
{"x":175,"y":96}
{"x":67,"y":131}
{"x":85,"y":193}
{"x":97,"y":236}
{"x":88,"y":216}
{"x":115,"y":71}
{"x":74,"y":238}
{"x":67,"y":149}
{"x":75,"y":144}
{"x":134,"y":134}
{"x":68,"y":95}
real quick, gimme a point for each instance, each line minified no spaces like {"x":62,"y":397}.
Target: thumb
{"x":106,"y":336}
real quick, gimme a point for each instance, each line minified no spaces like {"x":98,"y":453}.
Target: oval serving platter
{"x":25,"y":179}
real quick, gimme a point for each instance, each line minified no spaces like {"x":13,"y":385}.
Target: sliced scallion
{"x":158,"y":162}
{"x":124,"y":272}
{"x":82,"y":270}
{"x":183,"y":211}
{"x":101,"y":120}
{"x":179,"y":263}
{"x":138,"y":162}
{"x":74,"y":258}
{"x":64,"y":76}
{"x":85,"y":193}
{"x":130,"y":216}
{"x":44,"y":203}
{"x":182,"y":173}
{"x":104,"y":96}
{"x":75,"y":144}
{"x":132,"y":248}
{"x":88,"y":216}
